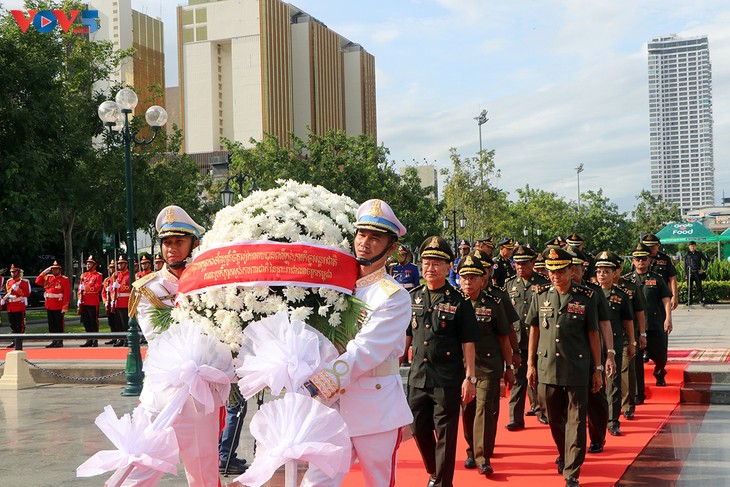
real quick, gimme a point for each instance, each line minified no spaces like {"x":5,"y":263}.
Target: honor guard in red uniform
{"x":120,"y":293}
{"x":145,"y":264}
{"x":15,"y":300}
{"x":57,"y":294}
{"x":107,"y":296}
{"x":89,"y":299}
{"x":159,"y":262}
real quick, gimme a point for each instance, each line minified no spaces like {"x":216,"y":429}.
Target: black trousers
{"x":566,"y":412}
{"x":17,"y":321}
{"x":55,"y":321}
{"x":435,"y":428}
{"x":694,"y":280}
{"x":597,"y":416}
{"x":122,"y":321}
{"x":112,"y":318}
{"x":90,"y":318}
{"x":657,"y":342}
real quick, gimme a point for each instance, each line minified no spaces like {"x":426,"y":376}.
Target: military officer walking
{"x":622,"y":324}
{"x":503,"y":262}
{"x":492,"y":351}
{"x":564,"y":355}
{"x":663,"y":265}
{"x":657,"y":297}
{"x":521,"y":287}
{"x":443,"y":332}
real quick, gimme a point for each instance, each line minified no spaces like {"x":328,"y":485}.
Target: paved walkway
{"x":48,"y":431}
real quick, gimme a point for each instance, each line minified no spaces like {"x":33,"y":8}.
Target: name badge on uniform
{"x":650,"y":282}
{"x":576,"y":308}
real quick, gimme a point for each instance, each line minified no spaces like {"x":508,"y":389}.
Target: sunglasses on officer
{"x":641,"y":259}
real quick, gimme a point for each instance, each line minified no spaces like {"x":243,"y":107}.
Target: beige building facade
{"x":256,"y":68}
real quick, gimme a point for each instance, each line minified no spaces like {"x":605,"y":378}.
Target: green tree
{"x":352,"y":165}
{"x":602,"y":225}
{"x":653,"y":212}
{"x":469,"y":189}
{"x":537,"y":208}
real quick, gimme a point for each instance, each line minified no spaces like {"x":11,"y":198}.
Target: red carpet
{"x":527,"y":457}
{"x":709,"y":355}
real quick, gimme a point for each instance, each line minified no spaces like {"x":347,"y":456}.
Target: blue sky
{"x":564,"y":81}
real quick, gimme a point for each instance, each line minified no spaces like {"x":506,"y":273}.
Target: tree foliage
{"x":653,"y":212}
{"x":351,"y":165}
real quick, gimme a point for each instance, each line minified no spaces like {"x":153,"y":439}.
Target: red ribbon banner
{"x":266,"y":263}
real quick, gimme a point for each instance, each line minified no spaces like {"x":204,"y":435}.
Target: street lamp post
{"x":532,"y":232}
{"x":481,"y":120}
{"x":462,"y":223}
{"x":579,"y":170}
{"x":227,"y":193}
{"x":115,"y":115}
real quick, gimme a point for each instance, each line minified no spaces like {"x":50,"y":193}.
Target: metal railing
{"x":133,"y":369}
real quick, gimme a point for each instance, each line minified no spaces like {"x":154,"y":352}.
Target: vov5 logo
{"x":46,"y":20}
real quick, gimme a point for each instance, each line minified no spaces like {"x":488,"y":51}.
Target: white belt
{"x":123,"y":295}
{"x":389,"y":367}
{"x":53,"y":296}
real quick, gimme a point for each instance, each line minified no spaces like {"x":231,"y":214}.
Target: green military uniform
{"x":480,"y":416}
{"x":632,"y":371}
{"x":654,"y":289}
{"x":442,"y":320}
{"x":503,"y":268}
{"x":520,"y":293}
{"x":563,"y":324}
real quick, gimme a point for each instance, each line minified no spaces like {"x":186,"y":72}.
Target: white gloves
{"x":47,"y":271}
{"x":116,"y":285}
{"x":16,"y":286}
{"x":82,"y":287}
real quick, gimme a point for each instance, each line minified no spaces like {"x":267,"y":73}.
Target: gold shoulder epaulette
{"x":416,"y":289}
{"x":144,"y":280}
{"x":494,"y":298}
{"x":541,"y":288}
{"x":463,"y":294}
{"x":584,"y":290}
{"x":388,"y":286}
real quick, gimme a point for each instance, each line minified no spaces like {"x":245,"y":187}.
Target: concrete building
{"x":126,"y":28}
{"x":429,"y":178}
{"x":251,"y":68}
{"x":680,"y":121}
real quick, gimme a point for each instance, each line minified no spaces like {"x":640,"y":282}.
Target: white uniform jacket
{"x":153,"y":291}
{"x":366,"y":378}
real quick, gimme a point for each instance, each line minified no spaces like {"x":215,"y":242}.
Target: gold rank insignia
{"x":553,"y":254}
{"x":604,"y":255}
{"x":169,"y":215}
{"x":433,"y":244}
{"x":417,"y":300}
{"x":375,"y":209}
{"x":468,"y":260}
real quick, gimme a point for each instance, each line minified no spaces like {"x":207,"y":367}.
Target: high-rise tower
{"x":680,"y":121}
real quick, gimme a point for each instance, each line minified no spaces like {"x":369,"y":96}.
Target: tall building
{"x":680,"y":121}
{"x":251,"y":68}
{"x":127,"y":28}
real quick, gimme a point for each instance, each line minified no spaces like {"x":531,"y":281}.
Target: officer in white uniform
{"x":196,"y":432}
{"x":365,"y":381}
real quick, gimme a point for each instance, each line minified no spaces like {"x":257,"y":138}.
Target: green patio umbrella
{"x":684,"y":232}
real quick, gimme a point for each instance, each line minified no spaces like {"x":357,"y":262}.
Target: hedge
{"x":713,"y":291}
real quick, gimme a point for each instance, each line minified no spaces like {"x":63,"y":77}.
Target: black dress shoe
{"x":486,"y":469}
{"x":88,"y":343}
{"x":470,"y":463}
{"x":595,"y":448}
{"x":431,"y":481}
{"x":12,"y":345}
{"x":561,"y":465}
{"x":514,"y":426}
{"x":95,"y":343}
{"x":121,"y":343}
{"x":111,"y":342}
{"x":661,"y":382}
{"x":542,"y":420}
{"x":571,"y":482}
{"x":614,"y":430}
{"x":629,"y":414}
{"x":234,"y":467}
{"x":530,"y":412}
{"x":53,"y":344}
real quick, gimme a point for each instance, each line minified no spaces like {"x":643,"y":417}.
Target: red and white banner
{"x":267,"y":263}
